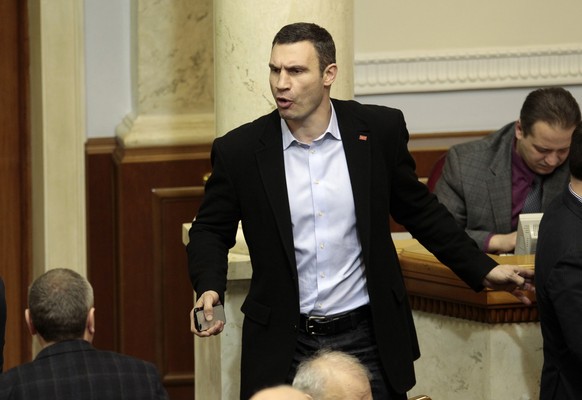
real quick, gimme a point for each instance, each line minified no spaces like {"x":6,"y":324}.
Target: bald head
{"x":283,"y":392}
{"x":333,"y":375}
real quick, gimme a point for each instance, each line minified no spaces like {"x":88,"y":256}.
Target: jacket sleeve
{"x":413,"y":206}
{"x":213,"y":230}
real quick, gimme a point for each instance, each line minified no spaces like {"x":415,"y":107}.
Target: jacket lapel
{"x":499,"y":186}
{"x":271,"y":166}
{"x":356,"y":140}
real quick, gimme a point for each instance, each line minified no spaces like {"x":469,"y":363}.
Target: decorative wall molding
{"x":463,"y":69}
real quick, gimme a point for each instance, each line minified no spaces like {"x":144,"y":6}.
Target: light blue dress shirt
{"x":327,"y":247}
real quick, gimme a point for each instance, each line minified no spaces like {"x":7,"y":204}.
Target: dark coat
{"x":559,"y":297}
{"x":75,"y":370}
{"x":248,"y":184}
{"x":2,"y":321}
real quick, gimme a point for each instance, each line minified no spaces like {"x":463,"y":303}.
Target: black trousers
{"x":360,"y":342}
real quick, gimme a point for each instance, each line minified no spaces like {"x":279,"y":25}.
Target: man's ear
{"x":91,"y":320}
{"x":29,"y":323}
{"x":519,"y":130}
{"x":90,"y":325}
{"x":329,"y":74}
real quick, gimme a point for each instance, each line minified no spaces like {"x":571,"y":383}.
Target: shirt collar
{"x":578,"y":197}
{"x":332,"y":129}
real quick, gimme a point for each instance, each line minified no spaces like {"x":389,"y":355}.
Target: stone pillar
{"x":244,"y":32}
{"x":57,"y":125}
{"x":172,"y":74}
{"x":57,"y":113}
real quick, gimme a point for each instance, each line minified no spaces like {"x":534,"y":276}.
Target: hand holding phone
{"x":200,"y":321}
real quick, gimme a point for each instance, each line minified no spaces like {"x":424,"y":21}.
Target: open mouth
{"x":283,"y":102}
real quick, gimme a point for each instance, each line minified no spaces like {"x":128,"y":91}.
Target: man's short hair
{"x":553,"y":105}
{"x":576,"y":153}
{"x":314,"y":373}
{"x":59,"y":302}
{"x":315,"y":34}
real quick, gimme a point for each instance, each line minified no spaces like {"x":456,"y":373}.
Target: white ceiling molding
{"x":464,"y":69}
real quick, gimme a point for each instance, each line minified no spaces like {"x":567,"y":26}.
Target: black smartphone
{"x":200,"y":321}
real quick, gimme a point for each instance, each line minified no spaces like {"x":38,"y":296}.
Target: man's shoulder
{"x":495,"y":142}
{"x":76,"y":366}
{"x":112,"y":357}
{"x":256,"y":126}
{"x":364,"y":109}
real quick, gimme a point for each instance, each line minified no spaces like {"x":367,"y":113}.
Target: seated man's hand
{"x":502,"y":243}
{"x":513,"y":279}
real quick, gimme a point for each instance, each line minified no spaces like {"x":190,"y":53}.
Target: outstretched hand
{"x":513,"y":279}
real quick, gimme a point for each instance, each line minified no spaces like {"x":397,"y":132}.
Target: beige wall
{"x":458,"y":45}
{"x":382,"y":25}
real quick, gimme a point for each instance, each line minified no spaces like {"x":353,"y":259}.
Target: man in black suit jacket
{"x":559,"y":285}
{"x":62,"y":317}
{"x":314,"y":184}
{"x":2,"y":322}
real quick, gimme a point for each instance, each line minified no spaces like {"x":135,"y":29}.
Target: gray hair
{"x":59,"y":302}
{"x":314,"y":373}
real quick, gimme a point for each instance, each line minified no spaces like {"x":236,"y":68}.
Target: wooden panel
{"x":171,"y":208}
{"x":15,"y":178}
{"x":102,"y":269}
{"x":137,"y":262}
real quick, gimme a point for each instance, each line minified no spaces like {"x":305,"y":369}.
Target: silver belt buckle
{"x":309,"y":325}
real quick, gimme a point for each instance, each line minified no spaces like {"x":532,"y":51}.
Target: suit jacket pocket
{"x":256,"y":311}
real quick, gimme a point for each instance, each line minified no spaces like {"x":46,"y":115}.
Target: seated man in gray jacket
{"x":485,"y":183}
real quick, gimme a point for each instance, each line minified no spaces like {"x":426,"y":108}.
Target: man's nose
{"x":283,"y":80}
{"x":553,"y":160}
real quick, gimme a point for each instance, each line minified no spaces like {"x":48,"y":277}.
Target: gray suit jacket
{"x":475,"y":184}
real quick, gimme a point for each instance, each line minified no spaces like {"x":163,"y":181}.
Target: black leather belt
{"x":330,"y":325}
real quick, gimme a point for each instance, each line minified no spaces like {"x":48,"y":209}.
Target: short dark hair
{"x":315,"y":34}
{"x":575,"y":157}
{"x":553,"y":105}
{"x":59,"y":302}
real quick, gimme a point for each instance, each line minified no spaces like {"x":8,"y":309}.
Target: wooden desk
{"x":472,"y":356}
{"x":434,"y":288}
{"x":483,"y":346}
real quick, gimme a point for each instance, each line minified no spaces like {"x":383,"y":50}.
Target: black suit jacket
{"x":559,"y":297}
{"x":2,"y":322}
{"x":74,"y":370}
{"x":248,"y":183}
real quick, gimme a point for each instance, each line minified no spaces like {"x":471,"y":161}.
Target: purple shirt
{"x":521,"y":180}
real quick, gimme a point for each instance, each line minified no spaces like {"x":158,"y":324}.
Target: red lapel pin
{"x":363,"y":137}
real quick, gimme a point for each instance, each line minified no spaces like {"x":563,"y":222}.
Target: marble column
{"x":57,"y":124}
{"x":172,"y":74}
{"x":243,"y":35}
